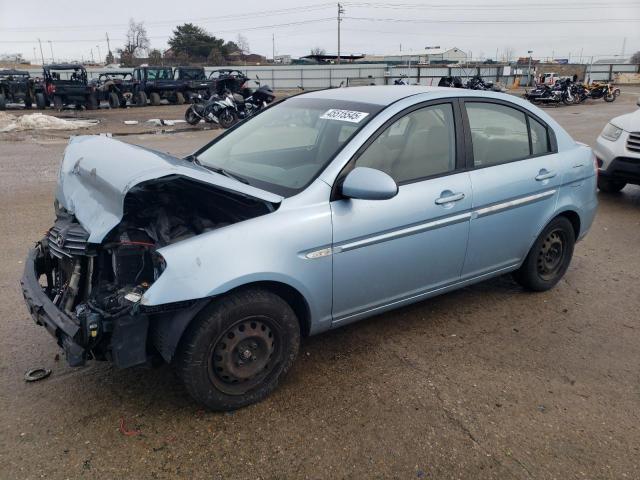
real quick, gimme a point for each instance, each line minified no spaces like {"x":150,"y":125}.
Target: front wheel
{"x":607,"y":185}
{"x":549,"y":257}
{"x":3,"y":102}
{"x":41,"y":102}
{"x":179,"y":98}
{"x":609,"y":97}
{"x":227,"y":118}
{"x":237,"y":350}
{"x":114,"y":100}
{"x":57,"y":102}
{"x":191,"y":117}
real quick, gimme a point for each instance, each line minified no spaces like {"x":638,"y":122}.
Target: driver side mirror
{"x":369,"y":184}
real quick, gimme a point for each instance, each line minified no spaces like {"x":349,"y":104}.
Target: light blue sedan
{"x":326,"y":208}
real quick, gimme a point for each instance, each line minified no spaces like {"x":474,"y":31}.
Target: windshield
{"x":285,"y":148}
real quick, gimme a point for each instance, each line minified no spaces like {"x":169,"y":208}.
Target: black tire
{"x":3,"y":102}
{"x":237,"y":350}
{"x":28,"y":101}
{"x":609,"y":97}
{"x":57,"y":102}
{"x":227,"y":118}
{"x":616,"y":92}
{"x":549,"y":257}
{"x":154,"y":97}
{"x":114,"y":101}
{"x":179,"y":98}
{"x":607,"y":185}
{"x":91,"y":102}
{"x":191,"y":117}
{"x":141,"y":99}
{"x":41,"y":102}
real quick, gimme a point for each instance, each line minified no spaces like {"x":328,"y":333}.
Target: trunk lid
{"x":97,"y":172}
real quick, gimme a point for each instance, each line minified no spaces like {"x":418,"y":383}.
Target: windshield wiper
{"x":227,"y":173}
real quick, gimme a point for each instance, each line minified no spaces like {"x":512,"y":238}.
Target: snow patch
{"x":40,"y":121}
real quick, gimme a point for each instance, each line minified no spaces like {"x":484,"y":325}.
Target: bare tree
{"x":507,"y":54}
{"x":243,"y":45}
{"x":318,"y":51}
{"x":137,"y":42}
{"x":635,"y":58}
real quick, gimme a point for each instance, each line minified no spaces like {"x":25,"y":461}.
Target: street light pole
{"x":529,"y":69}
{"x":51,"y":47}
{"x":41,"y":54}
{"x":340,"y":12}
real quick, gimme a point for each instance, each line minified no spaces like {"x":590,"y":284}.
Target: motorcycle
{"x":249,"y":106}
{"x":454,"y":82}
{"x":602,"y":90}
{"x":477,"y":83}
{"x":217,"y":109}
{"x":560,"y":92}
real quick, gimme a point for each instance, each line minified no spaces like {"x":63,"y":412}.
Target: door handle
{"x":545,"y":175}
{"x":451,"y":197}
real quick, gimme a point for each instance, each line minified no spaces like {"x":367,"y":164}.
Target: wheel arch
{"x":573,"y":217}
{"x":167,"y":330}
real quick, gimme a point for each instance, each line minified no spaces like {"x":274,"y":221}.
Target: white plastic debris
{"x":131,"y":122}
{"x":162,"y":122}
{"x":40,"y":121}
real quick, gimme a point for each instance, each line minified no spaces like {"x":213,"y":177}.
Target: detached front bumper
{"x":63,"y":328}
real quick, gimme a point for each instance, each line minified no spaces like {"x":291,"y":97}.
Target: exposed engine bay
{"x":99,"y":286}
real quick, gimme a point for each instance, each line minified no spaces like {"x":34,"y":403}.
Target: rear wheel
{"x":179,"y":98}
{"x":114,"y":101}
{"x":607,"y":185}
{"x":3,"y":102}
{"x":227,"y":118}
{"x":57,"y":102}
{"x":549,"y":257}
{"x":41,"y":102}
{"x":141,"y":99}
{"x":91,"y":102}
{"x":238,"y":349}
{"x":155,"y":99}
{"x":28,"y":101}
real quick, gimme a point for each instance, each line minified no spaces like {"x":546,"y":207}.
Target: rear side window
{"x":503,"y":134}
{"x":499,"y":133}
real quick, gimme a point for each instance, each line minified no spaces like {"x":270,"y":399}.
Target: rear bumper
{"x":62,"y":327}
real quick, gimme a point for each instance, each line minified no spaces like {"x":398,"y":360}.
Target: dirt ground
{"x":488,"y":382}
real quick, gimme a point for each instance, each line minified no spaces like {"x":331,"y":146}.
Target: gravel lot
{"x":485,"y":382}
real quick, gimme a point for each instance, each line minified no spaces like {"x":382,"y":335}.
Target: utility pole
{"x":35,"y":55}
{"x":273,"y":47}
{"x":92,"y":59}
{"x":529,"y":69}
{"x":51,"y":47}
{"x":99,"y":54}
{"x":340,"y":12}
{"x":109,"y":54}
{"x":624,"y":45}
{"x":41,"y":54}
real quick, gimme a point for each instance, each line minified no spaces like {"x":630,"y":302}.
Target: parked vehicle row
{"x":474,"y":83}
{"x":68,"y":85}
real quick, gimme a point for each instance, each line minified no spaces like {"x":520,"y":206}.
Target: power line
{"x":490,"y":21}
{"x":240,"y":16}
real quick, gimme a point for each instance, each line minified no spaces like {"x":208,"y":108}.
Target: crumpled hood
{"x":629,"y":122}
{"x":98,"y":171}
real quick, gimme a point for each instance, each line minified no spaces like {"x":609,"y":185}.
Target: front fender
{"x":267,"y":248}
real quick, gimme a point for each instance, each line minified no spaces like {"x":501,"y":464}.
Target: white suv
{"x":618,"y":152}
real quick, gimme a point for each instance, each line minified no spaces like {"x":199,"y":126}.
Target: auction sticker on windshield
{"x":344,"y":115}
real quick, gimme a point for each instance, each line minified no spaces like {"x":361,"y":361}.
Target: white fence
{"x":325,"y":76}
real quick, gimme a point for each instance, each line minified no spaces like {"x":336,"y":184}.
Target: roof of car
{"x":375,"y":94}
{"x":13,"y":72}
{"x":64,"y":66}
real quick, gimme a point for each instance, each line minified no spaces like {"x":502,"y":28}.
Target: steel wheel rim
{"x":551,"y":254}
{"x":244,"y":355}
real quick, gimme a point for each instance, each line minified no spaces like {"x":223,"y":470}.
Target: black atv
{"x":65,"y":84}
{"x":115,"y":87}
{"x":16,"y":86}
{"x":156,"y":83}
{"x":195,"y":81}
{"x":230,"y":80}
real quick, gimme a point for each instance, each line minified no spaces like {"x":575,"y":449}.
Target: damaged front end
{"x":88,"y":293}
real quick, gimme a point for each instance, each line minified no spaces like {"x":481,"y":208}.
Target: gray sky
{"x":76,"y":27}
